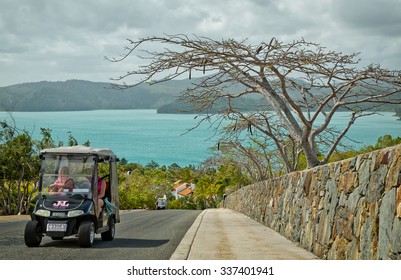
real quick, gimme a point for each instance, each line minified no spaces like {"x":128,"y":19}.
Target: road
{"x":141,"y":235}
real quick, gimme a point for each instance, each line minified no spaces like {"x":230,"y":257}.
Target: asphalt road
{"x":141,"y":235}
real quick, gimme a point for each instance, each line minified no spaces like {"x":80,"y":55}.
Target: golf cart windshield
{"x":67,"y":174}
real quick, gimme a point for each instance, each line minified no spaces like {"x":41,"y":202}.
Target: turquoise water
{"x":141,"y":136}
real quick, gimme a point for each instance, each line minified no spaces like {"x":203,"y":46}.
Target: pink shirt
{"x":99,"y":184}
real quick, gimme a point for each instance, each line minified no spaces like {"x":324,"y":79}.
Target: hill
{"x":244,"y":104}
{"x":77,"y":95}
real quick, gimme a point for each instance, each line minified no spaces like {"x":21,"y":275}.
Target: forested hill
{"x":75,"y":95}
{"x":79,"y":95}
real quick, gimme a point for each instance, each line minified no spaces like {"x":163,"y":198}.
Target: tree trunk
{"x":310,"y":154}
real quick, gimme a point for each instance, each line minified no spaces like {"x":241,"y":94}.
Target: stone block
{"x":347,"y":181}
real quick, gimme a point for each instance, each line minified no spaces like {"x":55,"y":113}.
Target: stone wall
{"x":345,"y":210}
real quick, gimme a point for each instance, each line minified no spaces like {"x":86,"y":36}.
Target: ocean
{"x":142,"y":136}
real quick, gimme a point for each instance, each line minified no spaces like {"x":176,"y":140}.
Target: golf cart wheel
{"x":86,"y":234}
{"x":109,"y":235}
{"x":33,"y":234}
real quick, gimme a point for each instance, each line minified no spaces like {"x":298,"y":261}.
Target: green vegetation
{"x":139,"y":185}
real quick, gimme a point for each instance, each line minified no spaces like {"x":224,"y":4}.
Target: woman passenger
{"x":101,"y":193}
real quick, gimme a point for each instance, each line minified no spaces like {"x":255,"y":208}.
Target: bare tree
{"x":256,"y":159}
{"x":301,"y":86}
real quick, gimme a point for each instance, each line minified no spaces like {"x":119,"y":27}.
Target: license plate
{"x":56,"y":227}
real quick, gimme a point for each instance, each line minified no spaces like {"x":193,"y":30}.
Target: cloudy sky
{"x":59,"y":40}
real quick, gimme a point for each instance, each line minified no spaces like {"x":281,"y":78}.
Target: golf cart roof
{"x":79,"y":150}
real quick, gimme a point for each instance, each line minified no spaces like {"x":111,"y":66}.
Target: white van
{"x":161,"y":203}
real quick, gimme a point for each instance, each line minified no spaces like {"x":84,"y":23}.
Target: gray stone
{"x":366,"y":240}
{"x":377,"y":183}
{"x":386,"y":215}
{"x":396,"y":236}
{"x":364,"y":174}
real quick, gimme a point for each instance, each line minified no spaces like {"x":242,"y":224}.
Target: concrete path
{"x":223,"y":234}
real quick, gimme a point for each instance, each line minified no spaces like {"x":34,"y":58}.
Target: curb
{"x":184,"y":248}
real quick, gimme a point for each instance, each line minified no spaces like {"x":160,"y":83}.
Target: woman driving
{"x":63,"y":182}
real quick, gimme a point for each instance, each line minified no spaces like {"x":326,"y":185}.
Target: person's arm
{"x":55,"y":186}
{"x":102,"y":189}
{"x":69,"y":184}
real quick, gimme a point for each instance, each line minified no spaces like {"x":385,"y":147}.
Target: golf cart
{"x":68,"y":196}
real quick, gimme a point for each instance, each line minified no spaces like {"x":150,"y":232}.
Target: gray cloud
{"x":372,"y":17}
{"x":59,"y":40}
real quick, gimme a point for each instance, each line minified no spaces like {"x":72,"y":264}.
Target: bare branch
{"x":301,"y":84}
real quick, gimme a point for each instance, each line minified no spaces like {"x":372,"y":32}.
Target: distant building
{"x":181,"y":189}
